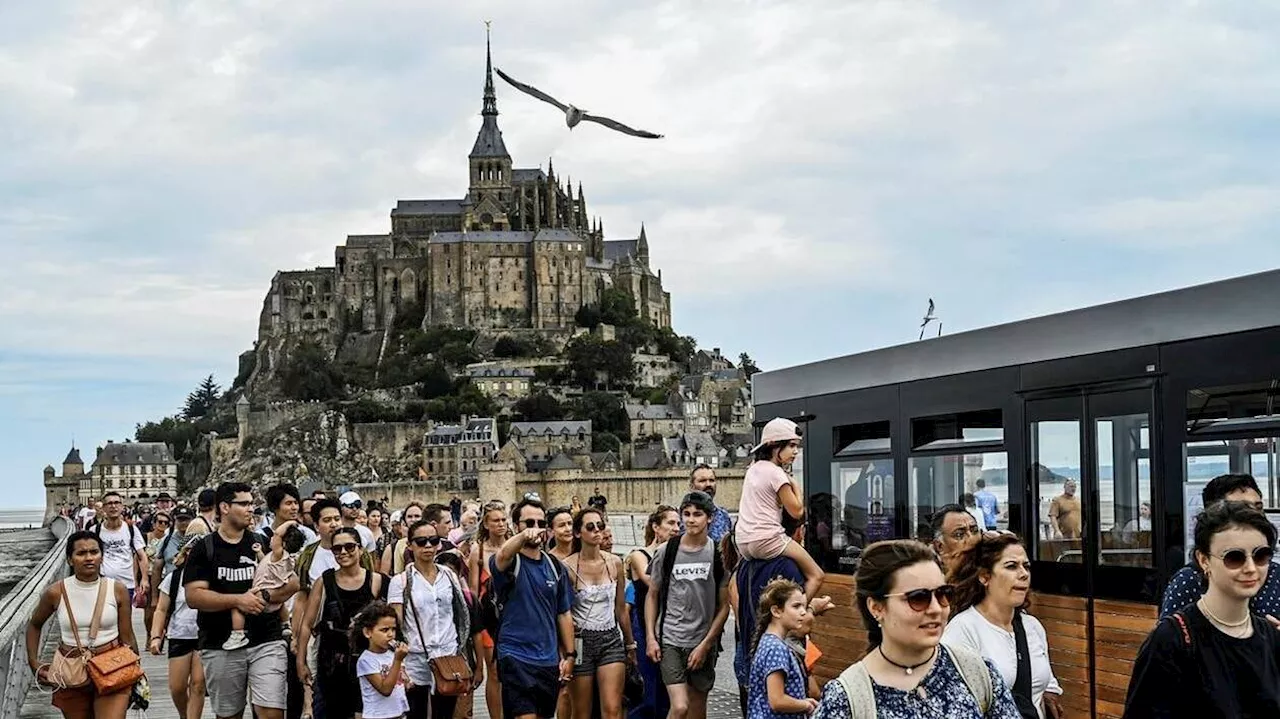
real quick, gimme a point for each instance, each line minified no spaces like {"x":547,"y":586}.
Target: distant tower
{"x":242,"y":418}
{"x":72,"y":466}
{"x":642,"y":248}
{"x":490,"y":163}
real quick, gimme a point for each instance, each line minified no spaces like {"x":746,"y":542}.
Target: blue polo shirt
{"x":528,"y":632}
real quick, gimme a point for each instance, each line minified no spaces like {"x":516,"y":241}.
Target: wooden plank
{"x":1133,"y":609}
{"x":1057,"y":600}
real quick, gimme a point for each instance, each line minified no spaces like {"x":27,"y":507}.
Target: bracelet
{"x":631,"y":646}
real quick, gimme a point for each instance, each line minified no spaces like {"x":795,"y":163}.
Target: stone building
{"x":540,"y":441}
{"x":518,"y":250}
{"x":503,"y":385}
{"x":648,"y":420}
{"x":452,"y":454}
{"x":653,"y":370}
{"x":137,"y":470}
{"x":63,"y":491}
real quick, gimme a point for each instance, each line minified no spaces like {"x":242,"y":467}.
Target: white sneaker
{"x":237,"y":640}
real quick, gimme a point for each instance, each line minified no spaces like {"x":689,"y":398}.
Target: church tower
{"x":489,"y":162}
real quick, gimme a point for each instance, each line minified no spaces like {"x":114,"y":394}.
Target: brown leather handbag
{"x":452,"y":675}
{"x":116,"y":669}
{"x":71,"y":670}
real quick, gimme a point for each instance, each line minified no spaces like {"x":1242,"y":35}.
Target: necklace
{"x":904,"y":667}
{"x":1214,"y":617}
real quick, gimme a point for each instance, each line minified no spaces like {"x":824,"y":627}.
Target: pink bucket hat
{"x":779,"y":429}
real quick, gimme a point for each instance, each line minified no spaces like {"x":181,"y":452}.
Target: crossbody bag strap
{"x":858,"y":691}
{"x":408,"y":591}
{"x":71,"y":617}
{"x":97,"y":609}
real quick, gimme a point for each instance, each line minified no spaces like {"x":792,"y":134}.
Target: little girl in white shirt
{"x":381,"y":665}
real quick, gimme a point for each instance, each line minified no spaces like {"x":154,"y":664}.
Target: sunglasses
{"x":1234,"y":558}
{"x":960,"y":534}
{"x":354,"y":505}
{"x":425,"y":541}
{"x":921,"y":599}
{"x":593,"y":526}
{"x":345,"y":547}
{"x":531,"y":523}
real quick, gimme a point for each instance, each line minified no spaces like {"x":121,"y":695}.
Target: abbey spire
{"x":489,"y":140}
{"x":489,"y":161}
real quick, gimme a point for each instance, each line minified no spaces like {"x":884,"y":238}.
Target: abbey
{"x":519,"y":250}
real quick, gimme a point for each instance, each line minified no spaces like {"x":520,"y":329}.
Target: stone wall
{"x":222,"y":452}
{"x":627,"y":490}
{"x":398,"y":494}
{"x":388,"y":439}
{"x":277,"y":414}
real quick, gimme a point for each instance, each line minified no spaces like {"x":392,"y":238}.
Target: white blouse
{"x":972,"y":630}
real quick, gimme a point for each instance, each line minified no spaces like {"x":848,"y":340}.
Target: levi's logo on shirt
{"x":691,"y":572}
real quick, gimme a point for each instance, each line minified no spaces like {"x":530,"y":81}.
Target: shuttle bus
{"x":1124,"y":409}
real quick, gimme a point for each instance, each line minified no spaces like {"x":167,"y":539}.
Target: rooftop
{"x":126,"y":453}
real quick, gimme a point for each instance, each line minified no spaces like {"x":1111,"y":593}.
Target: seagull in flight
{"x":929,"y":316}
{"x":573,"y":115}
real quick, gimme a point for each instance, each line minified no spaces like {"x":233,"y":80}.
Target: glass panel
{"x":1055,"y":463}
{"x":858,"y":512}
{"x":1124,"y":487}
{"x":1206,"y":460}
{"x":978,"y":481}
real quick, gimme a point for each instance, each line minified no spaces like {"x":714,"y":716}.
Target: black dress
{"x":336,"y":664}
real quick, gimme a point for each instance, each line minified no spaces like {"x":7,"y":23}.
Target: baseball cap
{"x":163,"y":496}
{"x":698,"y":500}
{"x":779,"y":429}
{"x":182,"y":511}
{"x":350,"y":499}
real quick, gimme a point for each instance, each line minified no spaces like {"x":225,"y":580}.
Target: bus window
{"x":858,"y":512}
{"x":1059,"y":512}
{"x":1208,"y":459}
{"x":981,"y":478}
{"x":1124,"y":484}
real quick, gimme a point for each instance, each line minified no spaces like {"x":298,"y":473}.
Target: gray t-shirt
{"x":691,"y":601}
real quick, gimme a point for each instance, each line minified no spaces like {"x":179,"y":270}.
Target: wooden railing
{"x":15,"y":612}
{"x":1119,"y":629}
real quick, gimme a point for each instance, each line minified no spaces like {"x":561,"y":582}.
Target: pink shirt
{"x":760,"y":512}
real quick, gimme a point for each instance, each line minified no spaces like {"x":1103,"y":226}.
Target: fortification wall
{"x":388,"y":439}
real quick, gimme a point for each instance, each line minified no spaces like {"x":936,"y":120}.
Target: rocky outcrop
{"x":325,"y":447}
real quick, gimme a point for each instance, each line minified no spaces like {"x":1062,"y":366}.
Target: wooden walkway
{"x":38,"y":706}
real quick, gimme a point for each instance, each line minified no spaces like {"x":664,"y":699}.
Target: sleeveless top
{"x":84,"y":597}
{"x":593,"y":604}
{"x":340,"y":607}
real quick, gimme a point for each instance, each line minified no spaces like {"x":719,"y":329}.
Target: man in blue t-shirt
{"x":536,"y":619}
{"x":988,"y":503}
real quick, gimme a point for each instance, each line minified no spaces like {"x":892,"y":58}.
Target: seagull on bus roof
{"x":929,"y":316}
{"x":573,"y":115}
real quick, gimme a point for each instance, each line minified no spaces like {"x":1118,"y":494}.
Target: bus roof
{"x":1233,"y":305}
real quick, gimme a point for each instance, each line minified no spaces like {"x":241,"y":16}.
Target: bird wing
{"x":930,"y":306}
{"x":531,"y":90}
{"x":615,"y":125}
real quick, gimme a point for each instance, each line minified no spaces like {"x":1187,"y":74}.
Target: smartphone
{"x":577,"y":647}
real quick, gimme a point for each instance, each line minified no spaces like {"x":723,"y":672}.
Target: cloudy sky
{"x":828,"y":166}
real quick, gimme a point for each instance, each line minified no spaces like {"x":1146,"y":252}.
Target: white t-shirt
{"x":433,"y":610}
{"x":366,"y":538}
{"x":322,"y":561}
{"x":972,"y":630}
{"x":377,"y":706}
{"x":118,"y":547}
{"x":182,"y":619}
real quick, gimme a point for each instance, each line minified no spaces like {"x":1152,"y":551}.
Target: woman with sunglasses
{"x":1214,"y":658}
{"x":436,"y":621}
{"x":493,"y":533}
{"x":993,"y":588}
{"x":605,"y":644}
{"x":908,"y":672}
{"x":161,"y":522}
{"x":332,"y":605}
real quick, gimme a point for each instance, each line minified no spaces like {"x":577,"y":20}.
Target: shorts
{"x":768,"y":548}
{"x":675,"y":669}
{"x":179,"y":648}
{"x":528,"y":688}
{"x":227,"y":683}
{"x":600,"y":647}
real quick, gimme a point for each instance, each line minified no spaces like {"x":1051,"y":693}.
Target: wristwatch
{"x":568,"y":655}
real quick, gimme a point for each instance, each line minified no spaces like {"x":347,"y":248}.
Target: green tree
{"x":458,"y":354}
{"x":200,"y":402}
{"x":604,"y":441}
{"x":172,"y":431}
{"x":306,"y":374}
{"x":587,"y":316}
{"x":508,"y":346}
{"x":539,"y":407}
{"x":605,"y":412}
{"x":746,"y":364}
{"x":435,"y":381}
{"x":593,"y":361}
{"x":617,"y":307}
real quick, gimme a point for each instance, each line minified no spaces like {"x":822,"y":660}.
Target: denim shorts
{"x":600,"y":647}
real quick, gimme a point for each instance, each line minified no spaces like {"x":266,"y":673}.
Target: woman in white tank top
{"x":115,"y":627}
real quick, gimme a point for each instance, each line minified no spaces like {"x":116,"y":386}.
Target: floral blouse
{"x":945,"y":696}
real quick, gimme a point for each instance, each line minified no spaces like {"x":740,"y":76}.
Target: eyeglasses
{"x":594,"y":526}
{"x":1235,"y":558}
{"x":531,"y":523}
{"x":354,"y":505}
{"x":112,"y":503}
{"x":960,"y":534}
{"x":162,"y":522}
{"x":424,"y":541}
{"x":345,"y":548}
{"x":241,"y":502}
{"x":921,"y":599}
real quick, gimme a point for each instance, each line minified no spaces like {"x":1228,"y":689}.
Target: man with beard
{"x":536,"y":619}
{"x":703,"y":479}
{"x":219,"y":578}
{"x":954,"y":531}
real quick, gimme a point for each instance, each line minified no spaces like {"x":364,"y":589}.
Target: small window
{"x":1234,"y":408}
{"x":861,"y":440}
{"x":953,"y":431}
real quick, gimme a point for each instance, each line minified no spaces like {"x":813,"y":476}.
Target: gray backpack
{"x":973,"y":670}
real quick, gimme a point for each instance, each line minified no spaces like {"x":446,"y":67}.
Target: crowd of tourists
{"x":329,"y":608}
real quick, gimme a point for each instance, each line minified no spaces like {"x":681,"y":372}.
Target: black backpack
{"x":668,"y":564}
{"x":491,"y":603}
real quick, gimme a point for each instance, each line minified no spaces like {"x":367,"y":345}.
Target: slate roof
{"x":489,"y":140}
{"x":522,"y":175}
{"x":650,"y":459}
{"x":653,"y":411}
{"x":73,"y":457}
{"x":481,"y":429}
{"x":126,"y":453}
{"x":367,"y":240}
{"x":557,"y":234}
{"x":561,"y":461}
{"x":557,"y":427}
{"x":501,"y":372}
{"x":418,"y":208}
{"x":615,"y":250}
